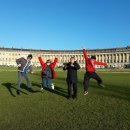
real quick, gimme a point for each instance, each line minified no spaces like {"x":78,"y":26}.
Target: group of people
{"x":48,"y":73}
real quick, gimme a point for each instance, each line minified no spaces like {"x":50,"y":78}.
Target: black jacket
{"x":72,"y":72}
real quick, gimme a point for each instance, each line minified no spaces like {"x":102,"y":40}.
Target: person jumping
{"x":90,"y":71}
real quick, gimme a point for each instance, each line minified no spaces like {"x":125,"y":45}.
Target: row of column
{"x":114,"y":58}
{"x":109,"y":58}
{"x":65,"y":58}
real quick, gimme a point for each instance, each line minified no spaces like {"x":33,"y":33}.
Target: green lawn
{"x":101,"y":109}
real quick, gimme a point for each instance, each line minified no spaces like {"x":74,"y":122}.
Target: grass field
{"x":102,"y":109}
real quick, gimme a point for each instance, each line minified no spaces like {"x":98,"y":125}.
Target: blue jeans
{"x":46,"y":82}
{"x":26,"y":76}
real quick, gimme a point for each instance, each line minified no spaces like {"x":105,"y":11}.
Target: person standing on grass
{"x":47,"y":72}
{"x":23,"y":66}
{"x":72,"y":77}
{"x":90,"y":71}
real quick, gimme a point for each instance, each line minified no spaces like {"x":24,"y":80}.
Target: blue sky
{"x":64,"y":24}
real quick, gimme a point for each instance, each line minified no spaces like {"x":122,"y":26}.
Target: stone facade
{"x":115,"y":57}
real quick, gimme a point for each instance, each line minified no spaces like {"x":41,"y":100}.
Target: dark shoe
{"x":74,"y":97}
{"x":18,"y":92}
{"x":30,"y":90}
{"x":69,"y":98}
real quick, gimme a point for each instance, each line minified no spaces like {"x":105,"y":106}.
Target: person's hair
{"x":48,"y":61}
{"x":93,"y":57}
{"x":30,"y":56}
{"x":72,"y":57}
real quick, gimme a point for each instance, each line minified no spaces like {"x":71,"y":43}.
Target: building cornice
{"x":106,"y":50}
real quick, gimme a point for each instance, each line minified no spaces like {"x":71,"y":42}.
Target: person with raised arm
{"x":90,"y":71}
{"x":47,"y":73}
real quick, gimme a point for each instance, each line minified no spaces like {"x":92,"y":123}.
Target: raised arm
{"x":41,"y":61}
{"x":85,"y":55}
{"x":100,"y":63}
{"x":54,"y":63}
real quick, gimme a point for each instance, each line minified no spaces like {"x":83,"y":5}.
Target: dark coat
{"x":72,"y":72}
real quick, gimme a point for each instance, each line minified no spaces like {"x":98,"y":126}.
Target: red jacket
{"x":52,"y":65}
{"x":90,"y":67}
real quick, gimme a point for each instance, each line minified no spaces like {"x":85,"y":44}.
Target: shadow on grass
{"x":110,"y":90}
{"x":114,"y":95}
{"x":36,"y":84}
{"x":58,"y":90}
{"x":24,"y":86}
{"x":11,"y":86}
{"x":120,"y":92}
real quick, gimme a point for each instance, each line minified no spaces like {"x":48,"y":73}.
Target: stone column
{"x":82,"y":59}
{"x":112,"y":58}
{"x":107,"y":57}
{"x":123,"y":57}
{"x":99,"y":58}
{"x":79,"y":59}
{"x":127,"y":58}
{"x":103,"y":58}
{"x":96,"y":57}
{"x":116,"y":58}
{"x":120,"y":58}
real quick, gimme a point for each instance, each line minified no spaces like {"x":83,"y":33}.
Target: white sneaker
{"x":52,"y":86}
{"x":85,"y":93}
{"x":41,"y":88}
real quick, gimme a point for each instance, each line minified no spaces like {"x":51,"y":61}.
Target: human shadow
{"x":120,"y":92}
{"x":36,"y":84}
{"x":24,"y":86}
{"x":58,"y":90}
{"x":10,"y":86}
{"x":114,"y":95}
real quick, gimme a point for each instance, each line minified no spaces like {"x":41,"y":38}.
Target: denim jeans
{"x":20,"y":75}
{"x":46,"y":82}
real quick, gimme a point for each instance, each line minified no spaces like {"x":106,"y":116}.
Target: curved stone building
{"x":115,"y":57}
